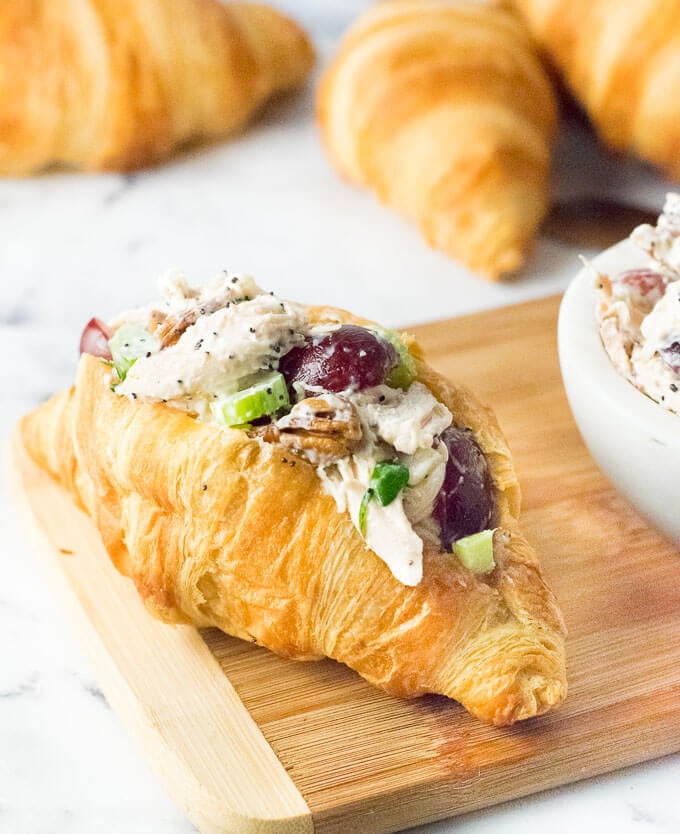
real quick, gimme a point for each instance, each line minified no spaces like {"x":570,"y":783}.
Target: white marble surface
{"x":74,"y":246}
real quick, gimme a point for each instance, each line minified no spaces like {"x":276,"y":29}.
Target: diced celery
{"x":263,"y":395}
{"x":476,"y":551}
{"x":128,"y":344}
{"x":404,"y":373}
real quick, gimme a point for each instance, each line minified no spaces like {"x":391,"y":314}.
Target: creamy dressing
{"x":427,"y":468}
{"x":389,"y":531}
{"x":662,"y":242}
{"x":303,"y":413}
{"x":239,"y":330}
{"x":638,"y":327}
{"x":408,"y":420}
{"x":405,"y":422}
{"x":659,"y":329}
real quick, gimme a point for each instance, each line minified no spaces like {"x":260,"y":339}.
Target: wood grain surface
{"x":166,"y":687}
{"x":355,"y":759}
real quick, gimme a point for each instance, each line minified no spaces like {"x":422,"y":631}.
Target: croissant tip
{"x":509,"y":674}
{"x":503,"y":267}
{"x":289,"y":41}
{"x":538,"y":695}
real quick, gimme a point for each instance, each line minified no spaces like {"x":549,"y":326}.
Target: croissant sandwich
{"x":622,"y":61}
{"x":444,"y":110}
{"x":111,"y":85}
{"x":300,"y":478}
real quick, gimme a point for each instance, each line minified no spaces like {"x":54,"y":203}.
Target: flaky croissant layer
{"x":622,"y":62}
{"x":442,"y":107}
{"x":119,"y":84}
{"x":218,"y":529}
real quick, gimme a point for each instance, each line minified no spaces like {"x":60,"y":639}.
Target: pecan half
{"x":171,"y":328}
{"x":156,"y":319}
{"x":320,"y":429}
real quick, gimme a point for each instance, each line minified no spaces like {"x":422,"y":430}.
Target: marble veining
{"x":73,"y":246}
{"x":25,"y":687}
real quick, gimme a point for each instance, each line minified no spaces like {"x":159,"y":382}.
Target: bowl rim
{"x":580,"y":346}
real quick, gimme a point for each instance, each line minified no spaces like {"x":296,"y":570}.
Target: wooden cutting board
{"x":248,"y":742}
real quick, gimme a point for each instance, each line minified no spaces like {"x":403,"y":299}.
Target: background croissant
{"x":622,"y":61}
{"x":119,"y":84}
{"x":443,"y":108}
{"x":220,"y":530}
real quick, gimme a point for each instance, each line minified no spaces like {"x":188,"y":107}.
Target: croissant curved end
{"x":527,"y":677}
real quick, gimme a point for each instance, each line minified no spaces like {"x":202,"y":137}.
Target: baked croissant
{"x":443,"y":108}
{"x":217,"y":527}
{"x":622,"y":62}
{"x":111,"y":85}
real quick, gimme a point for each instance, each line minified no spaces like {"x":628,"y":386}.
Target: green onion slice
{"x":387,"y":481}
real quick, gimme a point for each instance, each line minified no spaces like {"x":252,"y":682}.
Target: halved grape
{"x":465,"y":503}
{"x":349,"y":357}
{"x":644,"y":280}
{"x":95,"y":339}
{"x":671,"y":356}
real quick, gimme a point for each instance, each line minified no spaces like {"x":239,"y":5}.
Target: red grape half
{"x":644,"y":281}
{"x":350,"y":357}
{"x":95,"y":339}
{"x":465,"y":503}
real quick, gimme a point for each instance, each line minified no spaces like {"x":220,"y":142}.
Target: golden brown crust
{"x":219,"y":529}
{"x":119,"y":84}
{"x":621,"y":60}
{"x":444,"y":110}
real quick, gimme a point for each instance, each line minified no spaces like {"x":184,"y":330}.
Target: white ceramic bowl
{"x":635,"y":442}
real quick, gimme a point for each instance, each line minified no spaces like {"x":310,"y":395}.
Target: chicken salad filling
{"x":638,"y":311}
{"x":342,"y":396}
